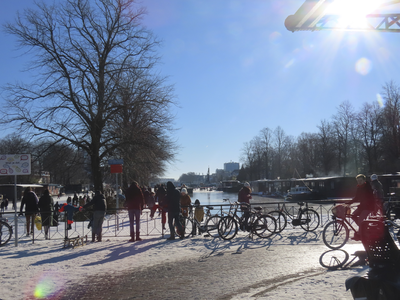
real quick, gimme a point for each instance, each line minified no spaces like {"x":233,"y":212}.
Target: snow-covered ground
{"x":283,"y":267}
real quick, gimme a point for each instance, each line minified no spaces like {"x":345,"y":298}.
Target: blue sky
{"x":236,"y":70}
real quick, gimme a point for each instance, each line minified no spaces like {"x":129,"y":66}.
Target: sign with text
{"x":115,"y":162}
{"x":15,"y":164}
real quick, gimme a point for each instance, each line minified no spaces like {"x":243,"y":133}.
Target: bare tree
{"x":369,"y":123}
{"x":266,"y":139}
{"x":85,"y":51}
{"x":391,"y":122}
{"x":343,"y":123}
{"x":326,"y":147}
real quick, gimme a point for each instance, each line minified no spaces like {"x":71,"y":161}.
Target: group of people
{"x":169,"y":201}
{"x":33,"y":205}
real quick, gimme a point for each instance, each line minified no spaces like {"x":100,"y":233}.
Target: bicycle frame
{"x":292,"y":217}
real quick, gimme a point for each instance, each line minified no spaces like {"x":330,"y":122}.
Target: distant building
{"x":231,"y":166}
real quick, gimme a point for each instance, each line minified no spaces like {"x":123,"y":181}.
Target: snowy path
{"x":284,"y":267}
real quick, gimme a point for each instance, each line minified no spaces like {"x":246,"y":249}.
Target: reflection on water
{"x":216,"y":197}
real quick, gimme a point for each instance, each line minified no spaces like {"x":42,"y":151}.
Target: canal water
{"x":217,"y":198}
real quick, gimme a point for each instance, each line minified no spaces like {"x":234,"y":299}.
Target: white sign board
{"x":15,"y":164}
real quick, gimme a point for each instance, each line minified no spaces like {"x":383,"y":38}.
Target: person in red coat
{"x":135,"y":203}
{"x":244,"y":196}
{"x":364,"y":196}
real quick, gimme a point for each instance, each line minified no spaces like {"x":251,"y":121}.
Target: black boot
{"x":93,"y":237}
{"x":132,"y":238}
{"x":172,"y":237}
{"x":138,"y":236}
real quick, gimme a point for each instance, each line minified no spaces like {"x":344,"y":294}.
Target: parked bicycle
{"x":6,"y":231}
{"x":306,"y":217}
{"x":262,"y":225}
{"x":336,"y":233}
{"x":391,"y":207}
{"x":210,"y":225}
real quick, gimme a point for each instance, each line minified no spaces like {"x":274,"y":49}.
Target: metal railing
{"x":116,"y":222}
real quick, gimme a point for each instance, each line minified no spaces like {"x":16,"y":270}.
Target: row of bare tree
{"x":364,"y":141}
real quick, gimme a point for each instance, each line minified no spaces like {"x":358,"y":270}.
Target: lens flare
{"x":363,"y":66}
{"x":274,"y":37}
{"x":379,"y":99}
{"x":48,"y":285}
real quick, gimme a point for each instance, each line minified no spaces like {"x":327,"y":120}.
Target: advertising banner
{"x":15,"y":164}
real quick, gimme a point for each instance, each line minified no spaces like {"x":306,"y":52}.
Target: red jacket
{"x":244,"y":195}
{"x":365,"y":196}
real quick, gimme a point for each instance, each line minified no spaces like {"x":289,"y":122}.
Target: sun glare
{"x":352,"y":12}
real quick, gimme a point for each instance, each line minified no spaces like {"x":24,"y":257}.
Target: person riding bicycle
{"x":365,"y":196}
{"x":244,"y":196}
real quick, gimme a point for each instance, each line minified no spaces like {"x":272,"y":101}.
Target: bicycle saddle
{"x":300,"y":203}
{"x":210,"y":207}
{"x":258,"y":208}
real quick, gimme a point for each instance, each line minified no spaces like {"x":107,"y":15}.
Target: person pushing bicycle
{"x":244,"y":196}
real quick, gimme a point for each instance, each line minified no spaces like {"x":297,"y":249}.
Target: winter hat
{"x":246,"y":184}
{"x":374,"y":177}
{"x":184,"y":191}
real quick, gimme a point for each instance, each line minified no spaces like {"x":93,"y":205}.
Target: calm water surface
{"x":216,"y":197}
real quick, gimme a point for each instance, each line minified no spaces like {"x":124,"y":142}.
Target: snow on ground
{"x":288,"y":265}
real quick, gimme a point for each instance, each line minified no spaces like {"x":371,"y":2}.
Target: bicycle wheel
{"x":333,"y":259}
{"x":187,"y":225}
{"x":227,"y":228}
{"x":212,"y":225}
{"x":264,"y":226}
{"x":280,"y":218}
{"x":335,"y":234}
{"x":5,"y":233}
{"x":309,"y":220}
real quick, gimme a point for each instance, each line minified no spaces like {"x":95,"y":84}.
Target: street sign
{"x":115,"y":162}
{"x":15,"y":164}
{"x":115,"y":169}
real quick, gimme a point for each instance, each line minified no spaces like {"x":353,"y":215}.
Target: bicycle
{"x":306,"y":217}
{"x":190,"y":223}
{"x":6,"y":231}
{"x":252,"y":221}
{"x":336,"y":233}
{"x":392,"y":208}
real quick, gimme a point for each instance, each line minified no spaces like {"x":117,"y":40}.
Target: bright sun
{"x":352,"y":12}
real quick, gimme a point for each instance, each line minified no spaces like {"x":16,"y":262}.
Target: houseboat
{"x":230,"y":186}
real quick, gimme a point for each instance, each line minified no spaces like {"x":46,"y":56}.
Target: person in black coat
{"x":99,"y":212}
{"x":30,"y":201}
{"x":174,"y":210}
{"x":46,"y":206}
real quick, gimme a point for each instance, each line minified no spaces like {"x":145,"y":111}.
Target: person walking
{"x":46,"y":207}
{"x":162,"y":205}
{"x":75,"y":200}
{"x":186,"y":202}
{"x":174,"y":210}
{"x":244,"y":196}
{"x":135,"y":203}
{"x":30,"y":201}
{"x":99,"y":205}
